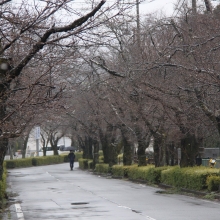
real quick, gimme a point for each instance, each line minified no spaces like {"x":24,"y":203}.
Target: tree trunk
{"x":86,"y":146}
{"x":95,"y":152}
{"x":143,"y":143}
{"x":127,"y":154}
{"x":89,"y":147}
{"x":43,"y":141}
{"x":108,"y":145}
{"x":54,"y":142}
{"x":158,"y":149}
{"x":167,"y":155}
{"x":3,"y":98}
{"x":171,"y":153}
{"x":105,"y":148}
{"x":80,"y":142}
{"x":189,"y":151}
{"x":25,"y":145}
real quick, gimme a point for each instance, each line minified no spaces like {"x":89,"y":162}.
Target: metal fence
{"x":205,"y":162}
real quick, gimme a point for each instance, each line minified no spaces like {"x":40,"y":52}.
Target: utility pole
{"x":194,"y":8}
{"x":37,"y":137}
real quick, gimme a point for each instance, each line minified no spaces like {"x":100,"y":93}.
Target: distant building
{"x":211,"y":153}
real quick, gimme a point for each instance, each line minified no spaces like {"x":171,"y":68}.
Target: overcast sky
{"x":146,"y":6}
{"x":167,"y":6}
{"x":149,"y":6}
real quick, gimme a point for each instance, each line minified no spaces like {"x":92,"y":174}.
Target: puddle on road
{"x":136,"y":211}
{"x":79,"y":207}
{"x":79,"y":203}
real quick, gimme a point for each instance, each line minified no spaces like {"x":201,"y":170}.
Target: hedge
{"x":190,"y":178}
{"x":90,"y":165}
{"x":120,"y":158}
{"x":38,"y":161}
{"x":102,"y":168}
{"x":118,"y":171}
{"x":3,"y":183}
{"x":213,"y":183}
{"x":18,"y":163}
{"x":195,"y":178}
{"x":46,"y":160}
{"x":83,"y":163}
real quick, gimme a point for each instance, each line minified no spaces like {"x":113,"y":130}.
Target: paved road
{"x":54,"y":192}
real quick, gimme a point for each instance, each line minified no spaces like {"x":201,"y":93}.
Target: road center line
{"x":19,"y":212}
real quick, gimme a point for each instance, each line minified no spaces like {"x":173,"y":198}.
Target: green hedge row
{"x":195,"y":178}
{"x":85,"y":164}
{"x":102,"y":168}
{"x":190,"y":178}
{"x":133,"y":172}
{"x":26,"y":162}
{"x":38,"y":161}
{"x":3,"y":184}
{"x":213,"y":183}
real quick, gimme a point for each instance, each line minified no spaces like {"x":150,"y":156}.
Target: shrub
{"x":38,"y":161}
{"x":118,"y":171}
{"x":120,"y":158}
{"x":100,"y":153}
{"x":3,"y":183}
{"x":46,"y":160}
{"x":101,"y":159}
{"x":102,"y":168}
{"x":189,"y":178}
{"x":26,"y":162}
{"x":83,"y":163}
{"x":213,"y":183}
{"x":154,"y":174}
{"x":148,"y":173}
{"x":132,"y":172}
{"x":90,"y":164}
{"x":79,"y":155}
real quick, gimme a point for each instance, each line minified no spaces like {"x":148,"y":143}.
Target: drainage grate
{"x":79,"y":203}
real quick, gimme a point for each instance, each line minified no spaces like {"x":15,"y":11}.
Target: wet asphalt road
{"x":54,"y":192}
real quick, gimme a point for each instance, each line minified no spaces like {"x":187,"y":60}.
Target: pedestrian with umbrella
{"x":71,"y":157}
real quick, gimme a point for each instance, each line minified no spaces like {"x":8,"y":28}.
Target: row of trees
{"x":108,"y":83}
{"x":161,"y":83}
{"x":38,"y":40}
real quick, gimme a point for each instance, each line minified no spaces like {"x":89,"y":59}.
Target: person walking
{"x":71,"y":157}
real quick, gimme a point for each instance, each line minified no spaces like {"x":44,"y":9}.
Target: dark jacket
{"x":71,"y":156}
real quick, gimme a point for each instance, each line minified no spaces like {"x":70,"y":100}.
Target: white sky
{"x":149,"y":6}
{"x":146,"y":7}
{"x":167,"y":6}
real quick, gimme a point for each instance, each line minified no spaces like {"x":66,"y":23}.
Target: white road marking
{"x":19,"y":212}
{"x":149,"y":218}
{"x":125,"y":207}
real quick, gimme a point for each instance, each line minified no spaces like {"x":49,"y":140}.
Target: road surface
{"x":54,"y":192}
